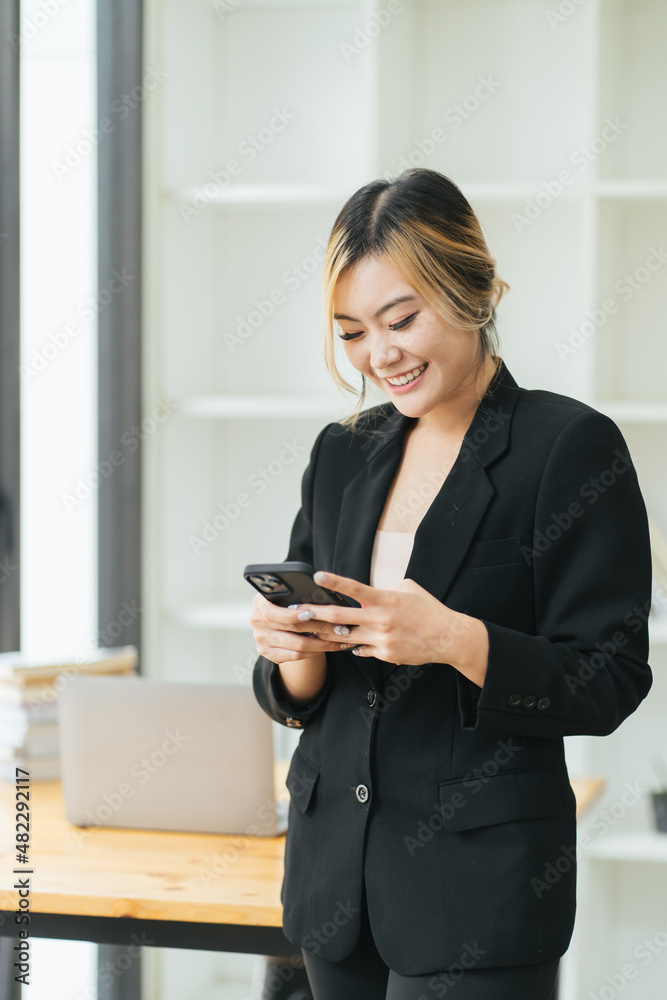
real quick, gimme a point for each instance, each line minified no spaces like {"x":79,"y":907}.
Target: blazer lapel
{"x":449,"y":525}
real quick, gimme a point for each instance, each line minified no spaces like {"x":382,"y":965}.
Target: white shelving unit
{"x":272,"y":113}
{"x":648,"y":846}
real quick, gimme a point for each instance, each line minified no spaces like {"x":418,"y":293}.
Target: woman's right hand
{"x":279,"y":633}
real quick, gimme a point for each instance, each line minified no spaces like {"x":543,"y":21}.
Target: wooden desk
{"x":99,"y":876}
{"x":184,"y":890}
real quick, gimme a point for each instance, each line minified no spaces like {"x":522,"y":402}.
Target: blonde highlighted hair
{"x":420,"y":224}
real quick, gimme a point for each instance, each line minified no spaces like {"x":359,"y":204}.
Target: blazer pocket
{"x":494,"y":552}
{"x":302,"y":777}
{"x":471,"y":803}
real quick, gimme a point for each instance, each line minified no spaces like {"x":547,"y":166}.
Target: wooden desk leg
{"x":9,"y":988}
{"x":118,"y":972}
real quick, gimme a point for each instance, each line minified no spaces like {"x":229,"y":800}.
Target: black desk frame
{"x":124,"y":931}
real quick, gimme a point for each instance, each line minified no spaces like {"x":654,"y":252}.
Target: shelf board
{"x":260,"y":407}
{"x":284,"y":5}
{"x":325,"y":195}
{"x":229,"y":616}
{"x":647,"y":845}
{"x":233,"y":615}
{"x":631,"y":189}
{"x":209,"y":192}
{"x":510,"y":190}
{"x":249,"y":407}
{"x":633,"y":411}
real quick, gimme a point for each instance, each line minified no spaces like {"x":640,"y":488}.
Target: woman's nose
{"x":383,"y":355}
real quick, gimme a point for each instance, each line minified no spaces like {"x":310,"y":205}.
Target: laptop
{"x":167,"y":755}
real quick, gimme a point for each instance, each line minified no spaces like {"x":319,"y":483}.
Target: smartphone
{"x":292,"y":583}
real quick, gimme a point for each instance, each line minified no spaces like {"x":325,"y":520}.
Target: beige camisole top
{"x":390,"y":558}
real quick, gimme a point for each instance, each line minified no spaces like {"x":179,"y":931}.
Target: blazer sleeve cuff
{"x":521,"y":693}
{"x":532,"y":688}
{"x":272,"y":697}
{"x":514,"y":687}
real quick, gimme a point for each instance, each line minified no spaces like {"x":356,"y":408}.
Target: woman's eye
{"x":394,"y":326}
{"x":403,"y":322}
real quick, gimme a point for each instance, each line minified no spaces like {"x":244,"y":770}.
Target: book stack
{"x":29,"y":690}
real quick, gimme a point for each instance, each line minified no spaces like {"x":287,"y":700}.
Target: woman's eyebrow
{"x":382,"y":309}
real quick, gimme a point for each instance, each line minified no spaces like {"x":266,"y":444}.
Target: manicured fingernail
{"x":293,"y":606}
{"x":356,"y":651}
{"x":320,"y":577}
{"x":303,"y":616}
{"x":341,"y":630}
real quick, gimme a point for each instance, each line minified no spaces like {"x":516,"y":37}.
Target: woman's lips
{"x":408,"y":385}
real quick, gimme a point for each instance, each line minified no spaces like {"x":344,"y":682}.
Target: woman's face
{"x":385,"y":338}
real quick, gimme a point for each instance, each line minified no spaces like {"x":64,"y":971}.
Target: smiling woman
{"x":489,"y":640}
{"x":417,"y":276}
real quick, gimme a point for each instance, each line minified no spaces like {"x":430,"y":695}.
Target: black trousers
{"x":364,"y":976}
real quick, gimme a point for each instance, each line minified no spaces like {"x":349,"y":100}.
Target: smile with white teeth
{"x":407,"y":376}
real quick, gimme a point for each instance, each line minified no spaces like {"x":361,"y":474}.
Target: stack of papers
{"x":29,"y":691}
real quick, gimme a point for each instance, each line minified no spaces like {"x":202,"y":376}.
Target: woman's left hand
{"x":402,"y":625}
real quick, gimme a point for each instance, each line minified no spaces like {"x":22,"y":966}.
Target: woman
{"x":495,"y":543}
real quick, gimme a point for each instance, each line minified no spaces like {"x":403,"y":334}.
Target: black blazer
{"x":454,"y":801}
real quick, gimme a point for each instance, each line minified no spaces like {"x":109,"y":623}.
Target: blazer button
{"x":543,"y":703}
{"x":293,"y":723}
{"x":371,"y":697}
{"x":361,"y":792}
{"x":514,"y":700}
{"x":530,"y":701}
